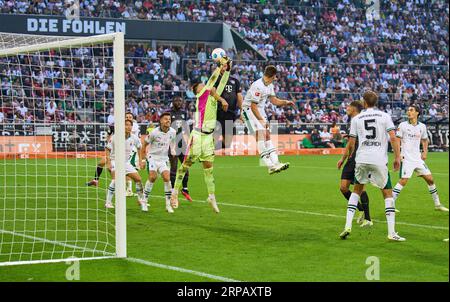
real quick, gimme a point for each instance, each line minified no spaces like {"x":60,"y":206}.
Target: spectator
{"x":326,"y":137}
{"x":315,"y":139}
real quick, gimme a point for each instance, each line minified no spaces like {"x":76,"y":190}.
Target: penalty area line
{"x":108,"y":256}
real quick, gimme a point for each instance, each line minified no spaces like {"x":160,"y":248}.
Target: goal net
{"x":58,"y":98}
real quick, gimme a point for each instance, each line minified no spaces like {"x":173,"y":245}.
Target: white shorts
{"x":408,"y":167}
{"x":157,"y":165}
{"x":375,"y":174}
{"x":129,"y":168}
{"x":136,"y":161}
{"x":252,"y":123}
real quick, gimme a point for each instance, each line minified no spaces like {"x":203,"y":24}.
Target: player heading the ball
{"x":254,"y":116}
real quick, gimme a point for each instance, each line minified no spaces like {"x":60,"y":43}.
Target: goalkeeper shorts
{"x":200,"y":147}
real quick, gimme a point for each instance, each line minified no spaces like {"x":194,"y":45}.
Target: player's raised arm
{"x":215,"y":75}
{"x":219,"y":99}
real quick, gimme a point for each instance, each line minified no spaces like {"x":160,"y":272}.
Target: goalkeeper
{"x":201,"y":142}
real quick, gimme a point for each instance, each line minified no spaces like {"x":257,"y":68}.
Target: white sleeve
{"x":253,"y":95}
{"x":424,"y":132}
{"x":137,"y":142}
{"x":389,"y":124}
{"x":272,"y":91}
{"x":353,"y":129}
{"x":149,"y":137}
{"x":399,"y":132}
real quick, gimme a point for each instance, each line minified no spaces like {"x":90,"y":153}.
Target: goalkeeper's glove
{"x":223,"y":60}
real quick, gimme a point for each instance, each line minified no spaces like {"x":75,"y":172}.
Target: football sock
{"x":347,"y":196}
{"x":130,"y":185}
{"x":265,"y":156}
{"x":111,"y":189}
{"x":167,"y":191}
{"x":209,"y":180}
{"x":148,"y":189}
{"x":139,"y":191}
{"x":396,"y":191}
{"x":185,"y":180}
{"x":433,"y":191}
{"x":179,"y":178}
{"x":390,"y":215}
{"x":365,"y":205}
{"x":351,"y":208}
{"x":272,"y":152}
{"x":98,"y":172}
{"x":173,"y":175}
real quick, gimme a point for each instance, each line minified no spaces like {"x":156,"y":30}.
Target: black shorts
{"x":223,"y":116}
{"x":348,"y":172}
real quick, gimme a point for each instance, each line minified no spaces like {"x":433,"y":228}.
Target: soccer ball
{"x":217,"y":54}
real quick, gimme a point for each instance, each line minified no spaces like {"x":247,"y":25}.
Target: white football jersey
{"x":132,"y":144}
{"x":410,"y":136}
{"x":135,"y":130}
{"x":258,"y":93}
{"x":159,"y":143}
{"x":371,"y":127}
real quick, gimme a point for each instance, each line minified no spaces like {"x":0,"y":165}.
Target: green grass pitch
{"x":282,"y":227}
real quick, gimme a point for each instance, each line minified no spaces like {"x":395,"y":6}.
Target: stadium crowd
{"x":326,"y":52}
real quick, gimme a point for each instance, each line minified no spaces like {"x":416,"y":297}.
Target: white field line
{"x":111,"y":255}
{"x":311,"y":213}
{"x":181,"y":270}
{"x":273,"y":210}
{"x":198,"y":167}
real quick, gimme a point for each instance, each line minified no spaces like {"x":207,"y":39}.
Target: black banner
{"x":133,"y":29}
{"x":17,"y":130}
{"x":79,"y":137}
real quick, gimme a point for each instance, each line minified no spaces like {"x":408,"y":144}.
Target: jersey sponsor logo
{"x":229,"y":88}
{"x":371,"y":143}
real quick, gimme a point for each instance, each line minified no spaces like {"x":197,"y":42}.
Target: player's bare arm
{"x":240,"y":100}
{"x":108,"y":159}
{"x":282,"y":103}
{"x":173,"y":148}
{"x":344,"y":156}
{"x":395,"y":142}
{"x":350,"y":148}
{"x":425,"y":149}
{"x":258,"y":115}
{"x":142,"y":154}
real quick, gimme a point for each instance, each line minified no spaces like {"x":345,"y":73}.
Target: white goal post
{"x":55,"y":98}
